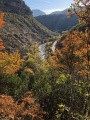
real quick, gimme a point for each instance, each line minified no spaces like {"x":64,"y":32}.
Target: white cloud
{"x":52,"y":10}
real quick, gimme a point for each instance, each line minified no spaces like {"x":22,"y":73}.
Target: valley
{"x":44,"y":60}
{"x":57,"y":22}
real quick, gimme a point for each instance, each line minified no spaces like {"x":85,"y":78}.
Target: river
{"x":42,"y":50}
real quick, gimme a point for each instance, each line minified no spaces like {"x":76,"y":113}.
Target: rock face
{"x":15,"y":6}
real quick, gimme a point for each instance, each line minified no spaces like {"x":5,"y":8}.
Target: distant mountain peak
{"x":59,"y":12}
{"x":37,"y":12}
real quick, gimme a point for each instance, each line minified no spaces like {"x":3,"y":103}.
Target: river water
{"x":42,"y":51}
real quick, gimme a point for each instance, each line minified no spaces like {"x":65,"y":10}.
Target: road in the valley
{"x":54,"y":46}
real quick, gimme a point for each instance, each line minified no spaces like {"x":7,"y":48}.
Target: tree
{"x":81,"y":8}
{"x":10,"y":63}
{"x":27,"y":109}
{"x":74,"y":56}
{"x":65,"y":58}
{"x":74,"y":59}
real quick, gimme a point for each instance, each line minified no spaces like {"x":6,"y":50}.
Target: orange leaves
{"x":27,"y":108}
{"x":34,"y":110}
{"x":7,"y":106}
{"x":68,"y":16}
{"x":74,"y":54}
{"x":1,"y":25}
{"x":1,"y":45}
{"x":81,"y":9}
{"x":1,"y":20}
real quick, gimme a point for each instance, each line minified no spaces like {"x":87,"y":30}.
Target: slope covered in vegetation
{"x":80,"y":27}
{"x":57,"y":22}
{"x":20,"y":28}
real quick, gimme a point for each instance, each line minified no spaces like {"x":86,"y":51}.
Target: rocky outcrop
{"x":15,"y":6}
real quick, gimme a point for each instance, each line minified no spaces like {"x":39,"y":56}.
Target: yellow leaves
{"x":82,"y":10}
{"x":29,"y":70}
{"x":9,"y":63}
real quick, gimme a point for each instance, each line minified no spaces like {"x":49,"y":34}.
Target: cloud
{"x":52,"y":10}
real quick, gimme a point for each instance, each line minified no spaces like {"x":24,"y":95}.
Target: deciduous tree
{"x":81,"y":8}
{"x":28,"y":109}
{"x":74,"y":55}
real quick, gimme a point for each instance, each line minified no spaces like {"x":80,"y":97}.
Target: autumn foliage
{"x":61,"y":83}
{"x":1,"y":25}
{"x":27,"y":109}
{"x":8,"y":63}
{"x":75,"y":53}
{"x":81,"y":8}
{"x":1,"y":45}
{"x":1,"y":20}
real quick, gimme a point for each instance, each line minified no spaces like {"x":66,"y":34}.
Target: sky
{"x":49,"y":6}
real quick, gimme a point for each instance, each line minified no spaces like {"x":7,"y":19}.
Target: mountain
{"x":59,"y":12}
{"x":20,"y":29}
{"x":37,"y":12}
{"x":15,"y":6}
{"x":57,"y":22}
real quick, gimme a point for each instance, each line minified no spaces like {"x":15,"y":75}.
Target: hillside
{"x":21,"y":30}
{"x":37,"y":12}
{"x":57,"y":22}
{"x":80,"y":27}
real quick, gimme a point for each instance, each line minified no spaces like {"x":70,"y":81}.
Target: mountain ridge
{"x":57,"y":22}
{"x":59,"y":12}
